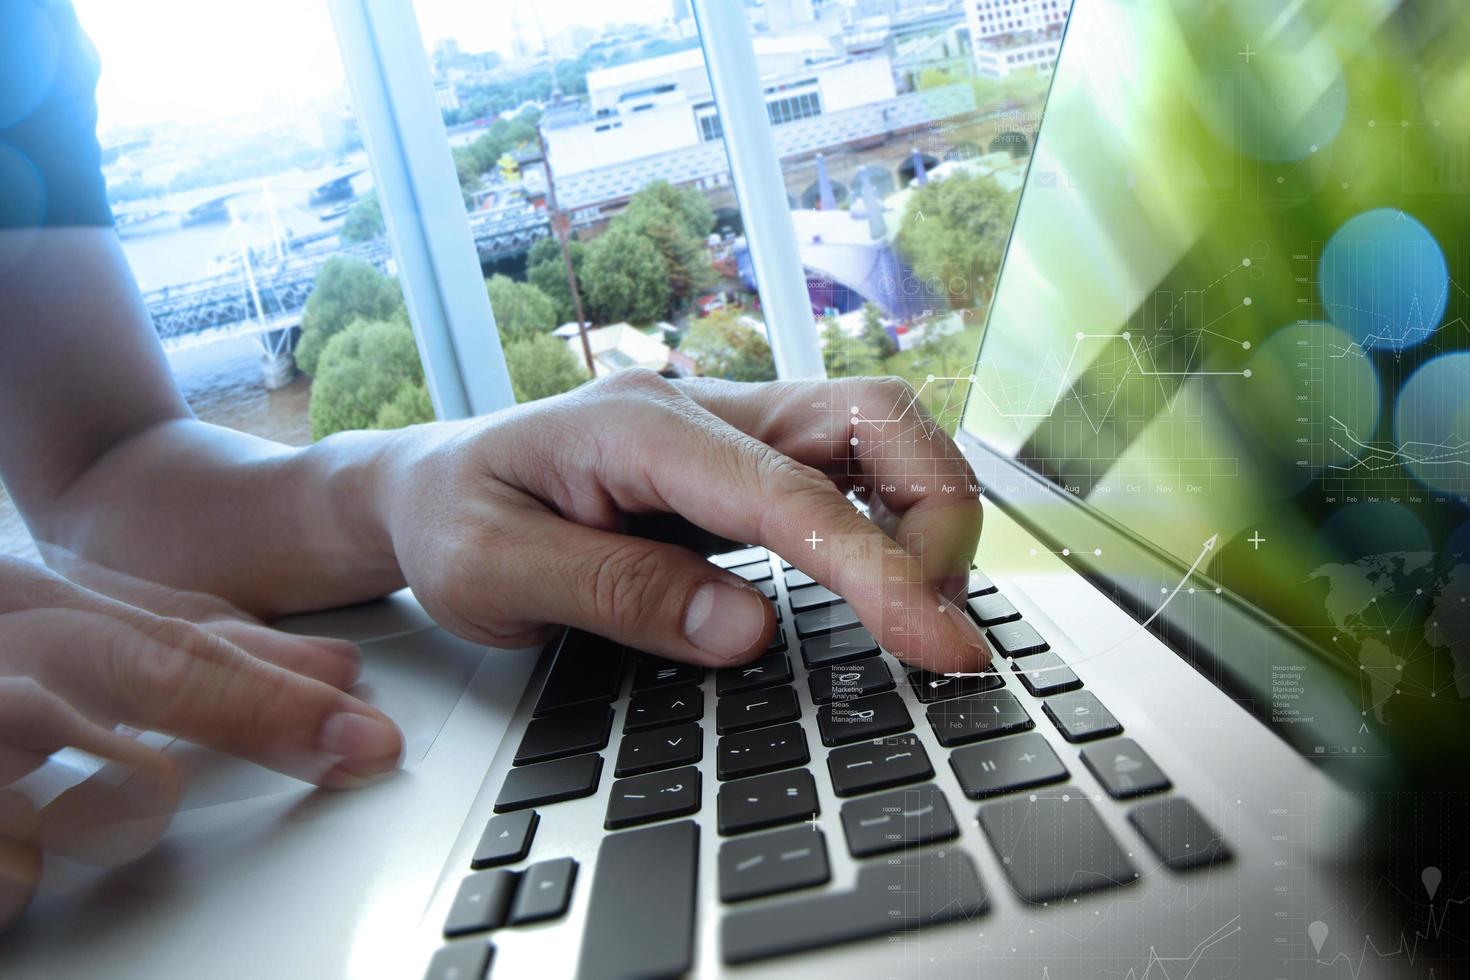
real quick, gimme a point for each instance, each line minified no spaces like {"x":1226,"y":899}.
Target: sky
{"x":195,"y":60}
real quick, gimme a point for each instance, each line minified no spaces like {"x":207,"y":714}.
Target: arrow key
{"x":656,"y":796}
{"x":545,"y":892}
{"x":507,"y":839}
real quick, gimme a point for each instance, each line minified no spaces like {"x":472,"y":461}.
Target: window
{"x":881,"y":134}
{"x":636,"y":162}
{"x":234,"y":192}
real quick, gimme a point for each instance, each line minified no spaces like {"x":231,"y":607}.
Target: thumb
{"x":651,"y":596}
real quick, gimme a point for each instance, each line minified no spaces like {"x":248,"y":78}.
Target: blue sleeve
{"x":50,"y":161}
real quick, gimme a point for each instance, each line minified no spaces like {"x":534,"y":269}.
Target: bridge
{"x":226,"y":305}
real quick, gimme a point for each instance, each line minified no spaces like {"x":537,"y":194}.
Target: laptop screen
{"x":1234,"y":303}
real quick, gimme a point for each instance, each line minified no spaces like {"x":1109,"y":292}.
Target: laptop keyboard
{"x":772,"y":867}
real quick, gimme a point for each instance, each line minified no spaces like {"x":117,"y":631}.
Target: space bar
{"x":918,"y":889}
{"x":640,"y":918}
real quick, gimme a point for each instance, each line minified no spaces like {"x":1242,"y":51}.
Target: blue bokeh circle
{"x":1383,"y":279}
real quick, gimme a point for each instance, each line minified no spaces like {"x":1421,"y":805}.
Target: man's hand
{"x":505,"y":524}
{"x":76,"y":664}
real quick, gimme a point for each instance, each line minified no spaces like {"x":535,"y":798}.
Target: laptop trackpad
{"x":416,"y":678}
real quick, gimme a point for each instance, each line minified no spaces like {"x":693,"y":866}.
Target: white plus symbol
{"x":813,"y":540}
{"x":1027,"y":758}
{"x":1247,"y":54}
{"x":812,"y":821}
{"x":1255,"y":540}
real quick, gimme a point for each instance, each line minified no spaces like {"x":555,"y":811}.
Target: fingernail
{"x":361,"y":739}
{"x":723,"y":620}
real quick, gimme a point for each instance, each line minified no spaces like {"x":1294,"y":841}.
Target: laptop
{"x":1222,"y":587}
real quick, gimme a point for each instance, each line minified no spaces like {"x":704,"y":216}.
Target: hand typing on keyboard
{"x":505,"y":524}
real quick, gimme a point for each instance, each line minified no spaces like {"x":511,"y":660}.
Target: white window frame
{"x":413,"y":170}
{"x":760,"y":190}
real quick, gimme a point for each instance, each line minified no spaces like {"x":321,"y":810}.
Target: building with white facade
{"x":663,"y":104}
{"x":1015,"y":35}
{"x":446,"y":95}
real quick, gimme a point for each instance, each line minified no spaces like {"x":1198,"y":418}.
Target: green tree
{"x":625,"y":278}
{"x":873,"y":333}
{"x":677,"y":222}
{"x":467,"y":171}
{"x":521,"y":310}
{"x":724,"y":347}
{"x":688,"y":205}
{"x":541,"y":366}
{"x":847,"y":357}
{"x":369,"y":377}
{"x":346,"y":289}
{"x":546,"y":271}
{"x":364,"y":219}
{"x":954,"y":230}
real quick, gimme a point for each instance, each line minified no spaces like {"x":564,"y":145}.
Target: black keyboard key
{"x":828,"y":620}
{"x":481,"y":903}
{"x":899,"y":897}
{"x":862,"y":719}
{"x":663,"y":706}
{"x":1054,"y":845}
{"x":980,"y":583}
{"x":545,"y":891}
{"x":1179,"y":835}
{"x":759,"y":571}
{"x":993,"y":609}
{"x":812,"y":597}
{"x":843,"y":682}
{"x":1080,"y":716}
{"x":978,"y":716}
{"x":640,"y":916}
{"x":571,"y":731}
{"x":1004,"y":765}
{"x":880,"y":764}
{"x":768,"y":671}
{"x":755,"y":709}
{"x":587,"y":670}
{"x":655,"y":796}
{"x":1045,"y":674}
{"x":662,"y":748}
{"x":768,"y":589}
{"x":468,"y":959}
{"x":1124,"y":768}
{"x":656,"y":672}
{"x":778,"y":641}
{"x":897,"y":820}
{"x":836,"y":648}
{"x":1015,"y":639}
{"x":506,"y":840}
{"x":766,"y":801}
{"x":930,"y":687}
{"x":767,"y":864}
{"x":797,"y":579}
{"x":764,"y":750}
{"x":549,"y":782}
{"x":744,"y":556}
